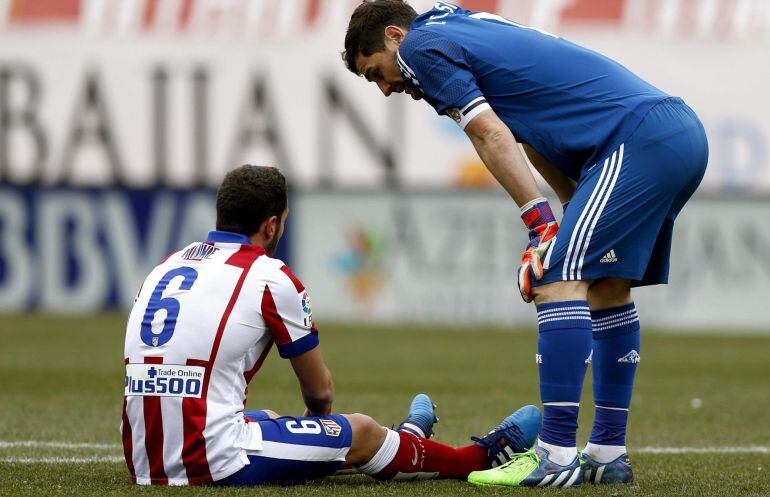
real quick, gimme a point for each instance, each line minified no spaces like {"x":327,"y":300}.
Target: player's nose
{"x":385,"y":88}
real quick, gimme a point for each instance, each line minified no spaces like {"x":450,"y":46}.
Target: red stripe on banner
{"x":28,"y":11}
{"x":297,"y":284}
{"x":313,"y":11}
{"x":594,"y":10}
{"x":150,"y":10}
{"x":194,"y":411}
{"x":194,"y":447}
{"x":273,"y":319}
{"x":185,"y":13}
{"x":482,"y":5}
{"x":153,"y":433}
{"x":248,"y":375}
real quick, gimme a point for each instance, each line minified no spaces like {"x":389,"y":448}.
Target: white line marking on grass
{"x":56,"y":445}
{"x":753,"y":449}
{"x":62,"y":460}
{"x":15,"y":444}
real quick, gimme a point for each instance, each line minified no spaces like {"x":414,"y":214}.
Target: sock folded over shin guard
{"x":564,"y":349}
{"x":616,"y":346}
{"x":406,"y":456}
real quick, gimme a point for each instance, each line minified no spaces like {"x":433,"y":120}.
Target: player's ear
{"x":395,"y":34}
{"x":271,"y":226}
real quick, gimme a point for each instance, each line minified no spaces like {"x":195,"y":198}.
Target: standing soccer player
{"x":623,"y":154}
{"x":200,"y":329}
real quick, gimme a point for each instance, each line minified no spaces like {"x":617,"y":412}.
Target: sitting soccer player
{"x":201,"y":326}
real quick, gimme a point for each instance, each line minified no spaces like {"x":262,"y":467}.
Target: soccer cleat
{"x":514,"y":435}
{"x":531,"y":469}
{"x":617,"y":471}
{"x":421,"y":417}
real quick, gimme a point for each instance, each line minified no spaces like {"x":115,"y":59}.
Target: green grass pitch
{"x":61,"y":380}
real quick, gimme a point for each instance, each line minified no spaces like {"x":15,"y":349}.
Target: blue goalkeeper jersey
{"x":567,"y":102}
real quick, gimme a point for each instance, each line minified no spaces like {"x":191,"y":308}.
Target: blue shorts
{"x":620,"y":221}
{"x":294,"y":450}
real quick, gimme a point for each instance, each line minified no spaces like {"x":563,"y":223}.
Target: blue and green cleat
{"x":531,"y":469}
{"x":421,"y":417}
{"x":516,"y":434}
{"x":616,"y":471}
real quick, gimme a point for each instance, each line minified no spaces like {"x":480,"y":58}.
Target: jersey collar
{"x":227,"y":237}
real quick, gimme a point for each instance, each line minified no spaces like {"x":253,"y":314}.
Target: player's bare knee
{"x":609,"y":293}
{"x":368,"y":437}
{"x":560,"y":291}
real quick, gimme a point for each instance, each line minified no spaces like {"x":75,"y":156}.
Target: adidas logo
{"x":610,"y":257}
{"x":631,"y":358}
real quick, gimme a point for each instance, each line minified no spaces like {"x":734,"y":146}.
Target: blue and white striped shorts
{"x":294,"y":450}
{"x":620,"y":221}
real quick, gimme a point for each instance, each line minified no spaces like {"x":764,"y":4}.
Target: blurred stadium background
{"x":118,"y":118}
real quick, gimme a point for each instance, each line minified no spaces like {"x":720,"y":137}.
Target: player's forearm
{"x":499,"y":151}
{"x":320,"y":402}
{"x":562,"y":185}
{"x":315,"y":381}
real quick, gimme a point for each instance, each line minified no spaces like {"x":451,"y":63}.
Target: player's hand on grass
{"x":539,"y":218}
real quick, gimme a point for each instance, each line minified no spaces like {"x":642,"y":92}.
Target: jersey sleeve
{"x":439,"y":68}
{"x":288,"y":315}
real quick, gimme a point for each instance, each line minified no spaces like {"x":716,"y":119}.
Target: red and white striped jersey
{"x":200,"y":328}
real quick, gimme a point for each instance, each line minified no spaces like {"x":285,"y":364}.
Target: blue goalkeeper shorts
{"x":294,"y":450}
{"x":619,"y":223}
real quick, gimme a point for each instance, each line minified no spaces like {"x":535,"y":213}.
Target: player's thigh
{"x":609,"y":293}
{"x":611,"y":226}
{"x":560,"y":291}
{"x":260,"y":415}
{"x":296,"y":450}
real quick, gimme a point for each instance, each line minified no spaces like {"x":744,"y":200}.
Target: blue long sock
{"x":616,"y":341}
{"x":564,"y":345}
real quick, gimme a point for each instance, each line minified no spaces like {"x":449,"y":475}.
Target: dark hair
{"x":249,"y":195}
{"x":367,"y":25}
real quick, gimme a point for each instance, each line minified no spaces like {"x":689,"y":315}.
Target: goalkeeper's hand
{"x":539,"y":218}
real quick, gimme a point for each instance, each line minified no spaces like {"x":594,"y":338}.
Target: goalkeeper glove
{"x":539,"y":218}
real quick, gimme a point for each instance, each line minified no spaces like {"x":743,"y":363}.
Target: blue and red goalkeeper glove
{"x":538,"y":217}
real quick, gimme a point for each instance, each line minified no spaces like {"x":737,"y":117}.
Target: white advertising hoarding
{"x":448,"y":258}
{"x":141,"y":92}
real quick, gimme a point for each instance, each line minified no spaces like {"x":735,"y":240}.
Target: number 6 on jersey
{"x":170,"y":304}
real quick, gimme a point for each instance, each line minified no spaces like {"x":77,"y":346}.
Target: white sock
{"x":384,"y":456}
{"x":560,"y":455}
{"x":604,"y":453}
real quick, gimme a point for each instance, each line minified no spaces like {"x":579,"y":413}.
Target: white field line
{"x":61,"y":460}
{"x":56,"y":445}
{"x":751,"y":449}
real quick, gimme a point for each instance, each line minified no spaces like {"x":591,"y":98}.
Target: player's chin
{"x":414,"y":95}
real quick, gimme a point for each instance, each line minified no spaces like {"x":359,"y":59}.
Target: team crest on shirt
{"x":307,"y":310}
{"x":454,"y":113}
{"x":331,"y":427}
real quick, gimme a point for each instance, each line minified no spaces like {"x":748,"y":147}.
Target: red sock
{"x":433,"y":460}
